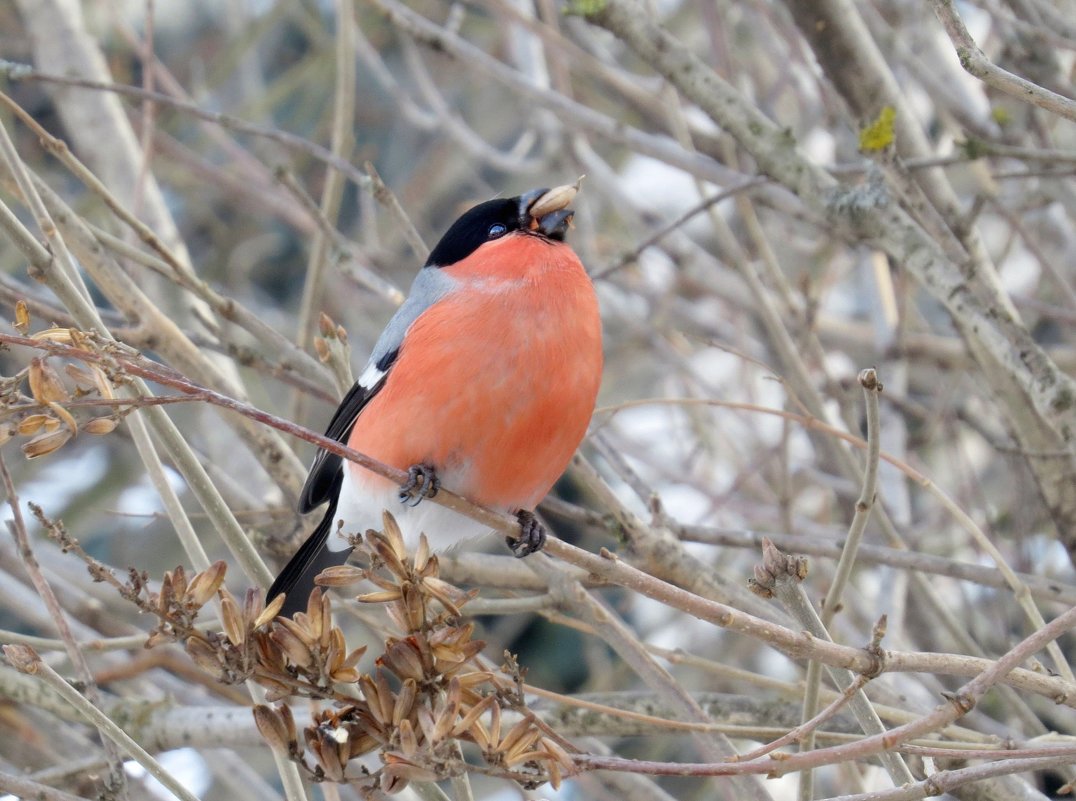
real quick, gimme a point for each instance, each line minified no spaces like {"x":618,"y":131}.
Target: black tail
{"x":297,"y":577}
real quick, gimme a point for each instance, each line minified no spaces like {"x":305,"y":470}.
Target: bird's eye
{"x":497,"y":230}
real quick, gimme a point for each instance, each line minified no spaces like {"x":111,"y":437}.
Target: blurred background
{"x":288,"y":160}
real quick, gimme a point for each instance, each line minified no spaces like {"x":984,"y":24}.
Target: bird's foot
{"x":422,"y":482}
{"x":531,"y":536}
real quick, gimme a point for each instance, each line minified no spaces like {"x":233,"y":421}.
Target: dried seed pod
{"x":45,"y":384}
{"x":44,"y":444}
{"x":55,"y":334}
{"x":422,"y":554}
{"x":447,"y":714}
{"x":270,"y":612}
{"x":342,"y":664}
{"x":205,"y":585}
{"x":471,"y":719}
{"x":405,"y":701}
{"x":495,"y":725}
{"x":414,"y":606}
{"x":101,"y":381}
{"x":275,"y":690}
{"x":175,"y":581}
{"x":450,"y":597}
{"x":289,"y":723}
{"x":334,"y":655}
{"x":362,"y":744}
{"x":326,"y":752}
{"x":389,"y":546}
{"x":64,"y":415}
{"x":353,"y":658}
{"x":399,"y":766}
{"x":272,"y":728}
{"x":342,"y":737}
{"x":392,"y":781}
{"x":315,"y":617}
{"x":31,"y":424}
{"x":384,"y":696}
{"x":344,"y":675}
{"x":268,"y":652}
{"x":555,"y":775}
{"x":403,"y":659}
{"x":519,"y":740}
{"x":100,"y":426}
{"x":292,"y":643}
{"x":22,"y":317}
{"x":232,"y":618}
{"x":340,"y":576}
{"x":380,"y":597}
{"x":557,"y":753}
{"x":204,"y":655}
{"x":372,"y":693}
{"x":253,"y":604}
{"x":322,"y":622}
{"x":408,"y":740}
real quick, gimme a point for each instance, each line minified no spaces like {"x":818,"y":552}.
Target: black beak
{"x":526,"y":200}
{"x":553,"y":225}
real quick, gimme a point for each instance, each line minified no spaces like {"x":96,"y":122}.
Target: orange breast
{"x":495,"y":384}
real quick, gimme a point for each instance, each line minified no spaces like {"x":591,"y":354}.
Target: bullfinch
{"x":483,"y":382}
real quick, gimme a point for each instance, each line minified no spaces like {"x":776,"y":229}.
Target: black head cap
{"x":486,"y":222}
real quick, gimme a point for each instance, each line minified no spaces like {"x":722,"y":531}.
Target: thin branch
{"x":25,"y":659}
{"x":872,"y":388}
{"x":976,"y":63}
{"x":23,"y":72}
{"x":116,"y":782}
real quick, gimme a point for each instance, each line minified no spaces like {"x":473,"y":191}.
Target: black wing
{"x":321,"y":484}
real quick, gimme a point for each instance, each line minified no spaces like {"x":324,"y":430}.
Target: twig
{"x":945,"y":781}
{"x":616,"y":634}
{"x":386,"y":197}
{"x":430,"y":34}
{"x":976,"y":63}
{"x":66,"y":282}
{"x":872,"y":388}
{"x":782,"y":576}
{"x":343,"y":251}
{"x":810,"y":726}
{"x":656,"y":236}
{"x":149,"y":116}
{"x":23,"y":72}
{"x":25,"y":788}
{"x":116,"y":781}
{"x":25,"y":659}
{"x":956,"y":705}
{"x":824,"y":544}
{"x":341,"y":143}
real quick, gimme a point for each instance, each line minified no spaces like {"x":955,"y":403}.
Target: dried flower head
{"x":428,"y":694}
{"x":47,"y":415}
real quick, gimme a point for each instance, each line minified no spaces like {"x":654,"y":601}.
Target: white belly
{"x":363,"y":499}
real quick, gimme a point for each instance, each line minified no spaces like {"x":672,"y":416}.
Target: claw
{"x":531,"y":536}
{"x":422,"y":482}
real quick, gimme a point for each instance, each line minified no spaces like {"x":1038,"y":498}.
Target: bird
{"x":483,"y":383}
